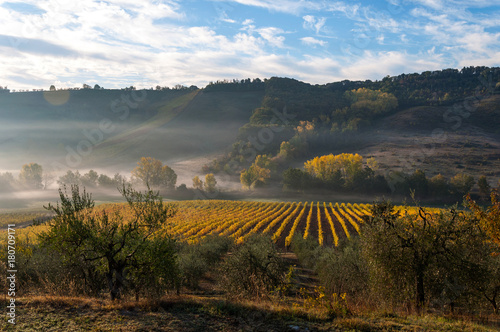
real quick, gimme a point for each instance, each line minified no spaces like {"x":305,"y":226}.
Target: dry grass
{"x":192,"y":312}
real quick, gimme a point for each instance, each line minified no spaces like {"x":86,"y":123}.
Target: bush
{"x":255,"y":269}
{"x":196,"y":260}
{"x":307,"y":250}
{"x":342,"y":269}
{"x":154,"y":269}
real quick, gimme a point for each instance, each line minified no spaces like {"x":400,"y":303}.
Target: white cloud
{"x":380,"y":21}
{"x":122,"y":42}
{"x":313,"y":23}
{"x":284,"y":6}
{"x":313,"y":41}
{"x":380,"y":64}
{"x":272,"y":35}
{"x":442,"y":4}
{"x":224,"y":18}
{"x":350,"y":11}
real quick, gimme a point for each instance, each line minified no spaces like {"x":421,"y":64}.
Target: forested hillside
{"x":440,"y":122}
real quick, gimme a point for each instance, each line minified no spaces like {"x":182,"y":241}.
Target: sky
{"x":119,"y":43}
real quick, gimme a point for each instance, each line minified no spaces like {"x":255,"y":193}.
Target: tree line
{"x":350,"y":173}
{"x":149,"y":172}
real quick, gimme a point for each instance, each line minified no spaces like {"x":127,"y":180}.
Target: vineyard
{"x":19,"y":218}
{"x":328,"y":223}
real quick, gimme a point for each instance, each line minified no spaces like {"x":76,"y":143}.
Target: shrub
{"x":195,"y":260}
{"x":255,"y":269}
{"x":307,"y":250}
{"x":342,"y":269}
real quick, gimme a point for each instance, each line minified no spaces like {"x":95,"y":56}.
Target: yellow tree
{"x":152,"y":172}
{"x":255,"y":176}
{"x":490,"y":218}
{"x":327,"y":167}
{"x":371,"y":102}
{"x":210,"y":182}
{"x":197,"y":183}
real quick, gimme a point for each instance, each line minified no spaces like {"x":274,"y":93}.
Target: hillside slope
{"x":430,"y":125}
{"x":438,"y":139}
{"x":109,"y":129}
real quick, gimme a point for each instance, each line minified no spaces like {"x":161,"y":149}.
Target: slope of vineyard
{"x":326,"y":222}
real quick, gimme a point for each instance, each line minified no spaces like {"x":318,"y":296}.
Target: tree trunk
{"x":420,"y":290}
{"x":115,"y":279}
{"x":109,"y":276}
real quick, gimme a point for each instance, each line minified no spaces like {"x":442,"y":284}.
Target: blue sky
{"x":119,"y":43}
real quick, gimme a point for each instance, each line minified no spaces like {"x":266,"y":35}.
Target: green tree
{"x":484,"y":188}
{"x":424,"y":256}
{"x":265,"y":161}
{"x":70,"y":178}
{"x":153,"y":173}
{"x":461,"y":184}
{"x":255,"y":269}
{"x":90,"y":179}
{"x":296,"y":179}
{"x":103,"y":241}
{"x":210,"y":183}
{"x":287,"y":151}
{"x":7,"y":182}
{"x":254,"y":177}
{"x":32,"y":175}
{"x":418,"y":182}
{"x":262,"y":115}
{"x":439,"y":187}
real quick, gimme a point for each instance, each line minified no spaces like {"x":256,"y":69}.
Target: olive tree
{"x":424,"y":257}
{"x":121,"y":244}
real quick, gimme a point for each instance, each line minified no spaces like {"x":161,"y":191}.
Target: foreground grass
{"x":207,"y":313}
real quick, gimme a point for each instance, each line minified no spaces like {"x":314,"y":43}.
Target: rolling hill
{"x":445,"y":122}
